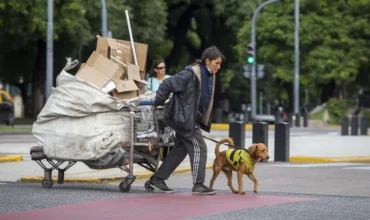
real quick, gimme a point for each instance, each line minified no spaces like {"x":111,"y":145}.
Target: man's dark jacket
{"x":183,"y":107}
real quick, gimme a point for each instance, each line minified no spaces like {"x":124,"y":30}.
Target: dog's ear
{"x":252,"y":149}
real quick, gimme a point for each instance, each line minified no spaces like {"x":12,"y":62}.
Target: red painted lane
{"x":182,"y":205}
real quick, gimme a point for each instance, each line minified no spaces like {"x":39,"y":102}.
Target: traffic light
{"x":250,"y":57}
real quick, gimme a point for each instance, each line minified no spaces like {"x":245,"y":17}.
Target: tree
{"x":76,"y":24}
{"x":332,"y":42}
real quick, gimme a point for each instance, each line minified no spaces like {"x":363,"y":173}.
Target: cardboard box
{"x":91,"y":75}
{"x":100,"y":72}
{"x":125,"y":89}
{"x":120,"y":52}
{"x":141,"y":54}
{"x":111,"y":49}
{"x":133,"y":73}
{"x":104,"y":65}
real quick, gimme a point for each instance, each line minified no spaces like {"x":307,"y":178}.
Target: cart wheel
{"x":124,"y":186}
{"x":148,"y":187}
{"x":47,"y":183}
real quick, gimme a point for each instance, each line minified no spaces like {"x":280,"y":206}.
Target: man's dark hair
{"x":210,"y":53}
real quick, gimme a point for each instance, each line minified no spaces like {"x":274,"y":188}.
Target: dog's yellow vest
{"x":235,"y":156}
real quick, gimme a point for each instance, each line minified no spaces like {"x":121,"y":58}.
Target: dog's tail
{"x":228,"y":140}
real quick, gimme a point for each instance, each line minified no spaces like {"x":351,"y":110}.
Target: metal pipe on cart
{"x":131,"y":174}
{"x":131,"y":38}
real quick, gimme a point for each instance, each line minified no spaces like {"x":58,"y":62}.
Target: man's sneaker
{"x":201,"y":189}
{"x":160,"y":184}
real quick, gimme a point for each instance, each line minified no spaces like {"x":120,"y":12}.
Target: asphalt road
{"x":287,"y":191}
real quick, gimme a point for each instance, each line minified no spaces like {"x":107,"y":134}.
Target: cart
{"x":149,"y":139}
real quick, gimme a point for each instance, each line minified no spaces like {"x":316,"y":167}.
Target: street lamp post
{"x":253,"y":44}
{"x":49,"y":51}
{"x":296,"y":65}
{"x":104,"y":19}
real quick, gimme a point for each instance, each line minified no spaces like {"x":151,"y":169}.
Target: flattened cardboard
{"x":126,"y":85}
{"x":105,"y":66}
{"x":141,"y":54}
{"x":125,"y":89}
{"x":91,"y":75}
{"x":111,"y":49}
{"x":124,"y":95}
{"x":133,"y":73}
{"x":122,"y":53}
{"x":104,"y":45}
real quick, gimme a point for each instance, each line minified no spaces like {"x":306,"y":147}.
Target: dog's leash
{"x":229,"y":145}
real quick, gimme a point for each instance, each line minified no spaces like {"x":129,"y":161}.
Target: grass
{"x":319,"y":115}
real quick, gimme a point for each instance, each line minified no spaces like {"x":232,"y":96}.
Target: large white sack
{"x":81,"y":122}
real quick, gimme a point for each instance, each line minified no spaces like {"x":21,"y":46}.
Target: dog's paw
{"x":236,"y":192}
{"x":242,"y":193}
{"x":256,"y":191}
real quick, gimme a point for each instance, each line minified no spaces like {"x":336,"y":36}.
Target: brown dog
{"x":240,"y":160}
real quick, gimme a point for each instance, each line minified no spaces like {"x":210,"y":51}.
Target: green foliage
{"x":337,"y":109}
{"x":319,"y":115}
{"x":333,"y":41}
{"x":76,"y":24}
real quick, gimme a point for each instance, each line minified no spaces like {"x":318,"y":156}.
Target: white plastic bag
{"x":81,"y":122}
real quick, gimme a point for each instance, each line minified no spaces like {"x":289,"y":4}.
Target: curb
{"x":226,"y":127}
{"x":329,"y":160}
{"x":103,"y":180}
{"x":7,"y":158}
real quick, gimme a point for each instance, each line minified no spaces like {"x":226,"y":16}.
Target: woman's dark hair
{"x":152,"y":73}
{"x":210,"y":53}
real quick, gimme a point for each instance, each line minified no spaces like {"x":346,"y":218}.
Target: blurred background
{"x":334,"y":41}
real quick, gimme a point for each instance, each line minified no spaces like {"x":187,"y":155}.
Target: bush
{"x":319,"y":115}
{"x":337,"y":109}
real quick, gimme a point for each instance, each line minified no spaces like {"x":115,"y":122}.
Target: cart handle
{"x":146,"y":102}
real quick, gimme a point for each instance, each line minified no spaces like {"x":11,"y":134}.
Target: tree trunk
{"x":23,"y":88}
{"x":327,"y":91}
{"x":38,"y":79}
{"x":182,"y":28}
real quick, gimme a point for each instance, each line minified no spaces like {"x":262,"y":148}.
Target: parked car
{"x":6,"y":108}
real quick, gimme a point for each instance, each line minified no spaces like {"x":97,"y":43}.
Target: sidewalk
{"x":302,"y":149}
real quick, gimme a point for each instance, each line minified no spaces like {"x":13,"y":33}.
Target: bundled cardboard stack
{"x":110,"y":67}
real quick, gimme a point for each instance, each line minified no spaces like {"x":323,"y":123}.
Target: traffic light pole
{"x":296,"y":65}
{"x":253,"y":43}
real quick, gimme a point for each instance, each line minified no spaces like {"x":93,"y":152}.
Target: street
{"x":90,"y":81}
{"x":287,"y":191}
